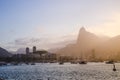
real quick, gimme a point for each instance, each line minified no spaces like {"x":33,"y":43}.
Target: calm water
{"x":90,"y":71}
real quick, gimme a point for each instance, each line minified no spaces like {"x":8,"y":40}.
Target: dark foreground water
{"x":90,"y":71}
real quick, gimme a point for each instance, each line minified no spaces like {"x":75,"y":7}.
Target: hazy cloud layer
{"x":40,"y":43}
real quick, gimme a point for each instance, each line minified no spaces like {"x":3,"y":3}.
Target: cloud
{"x":27,"y":41}
{"x":109,"y":26}
{"x":40,"y":43}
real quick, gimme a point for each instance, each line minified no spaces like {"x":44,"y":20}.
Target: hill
{"x":4,"y":53}
{"x":89,"y":45}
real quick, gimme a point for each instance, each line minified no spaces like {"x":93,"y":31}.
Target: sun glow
{"x":111,"y":27}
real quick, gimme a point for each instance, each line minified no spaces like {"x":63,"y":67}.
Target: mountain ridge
{"x":4,"y":53}
{"x":87,"y":42}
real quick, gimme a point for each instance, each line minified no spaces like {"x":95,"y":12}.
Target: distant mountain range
{"x":4,"y":53}
{"x":88,"y":43}
{"x":86,"y":46}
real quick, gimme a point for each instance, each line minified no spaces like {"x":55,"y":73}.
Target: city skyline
{"x":50,"y":24}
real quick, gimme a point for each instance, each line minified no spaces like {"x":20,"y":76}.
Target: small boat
{"x":52,"y":62}
{"x":32,"y":63}
{"x":109,"y":62}
{"x":114,"y":69}
{"x":82,"y":62}
{"x":61,"y":63}
{"x":27,"y":63}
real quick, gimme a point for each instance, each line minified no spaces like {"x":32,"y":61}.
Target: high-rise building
{"x":27,"y":50}
{"x":34,"y":49}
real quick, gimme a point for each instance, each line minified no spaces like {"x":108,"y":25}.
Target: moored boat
{"x":82,"y":62}
{"x":109,"y":62}
{"x":61,"y":63}
{"x":33,"y":63}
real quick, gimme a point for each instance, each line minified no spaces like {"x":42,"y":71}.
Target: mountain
{"x":109,"y":48}
{"x":85,"y":45}
{"x":87,"y":41}
{"x":4,"y":53}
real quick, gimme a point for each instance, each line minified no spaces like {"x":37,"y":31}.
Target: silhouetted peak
{"x":84,"y":36}
{"x":82,"y":29}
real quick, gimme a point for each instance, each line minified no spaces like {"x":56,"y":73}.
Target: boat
{"x":61,"y":63}
{"x":114,"y":68}
{"x":27,"y":63}
{"x":32,"y":63}
{"x":82,"y":62}
{"x":109,"y":62}
{"x":52,"y":62}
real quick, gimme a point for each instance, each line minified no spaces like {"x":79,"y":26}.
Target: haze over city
{"x":54,"y":23}
{"x":59,"y":39}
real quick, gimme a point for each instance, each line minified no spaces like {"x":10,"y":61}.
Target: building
{"x":34,"y":49}
{"x":27,"y":50}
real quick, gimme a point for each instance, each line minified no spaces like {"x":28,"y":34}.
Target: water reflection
{"x":91,"y":71}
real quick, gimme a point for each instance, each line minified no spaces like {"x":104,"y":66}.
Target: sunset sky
{"x":54,"y":23}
